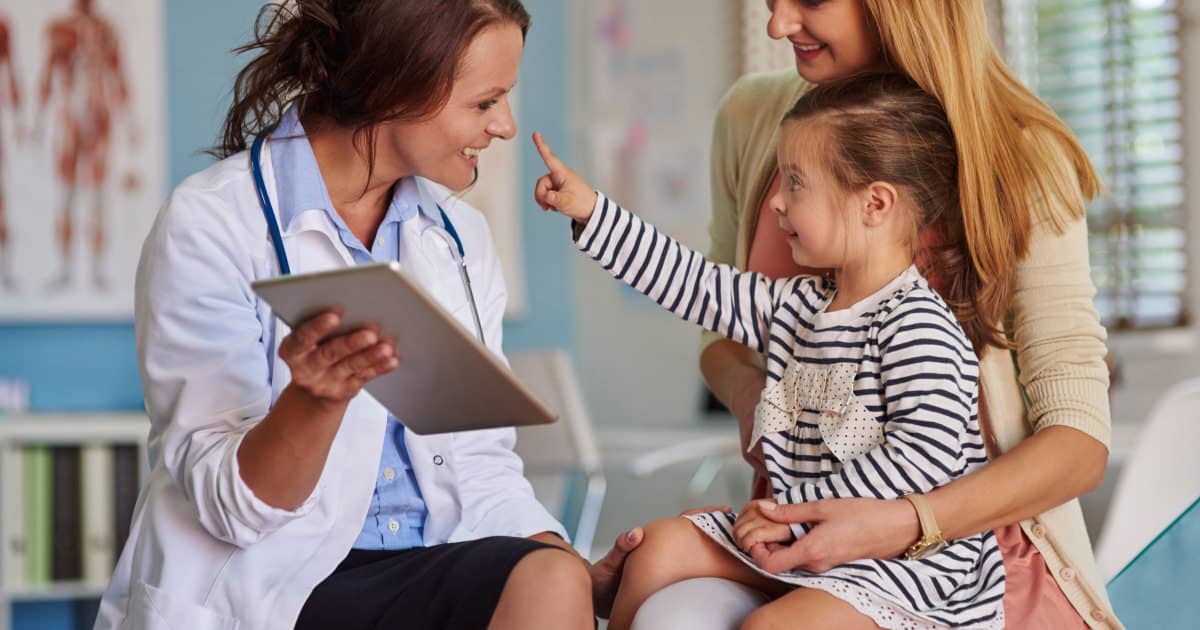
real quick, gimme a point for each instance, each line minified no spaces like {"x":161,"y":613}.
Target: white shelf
{"x":74,"y":428}
{"x":62,"y":429}
{"x":56,"y":591}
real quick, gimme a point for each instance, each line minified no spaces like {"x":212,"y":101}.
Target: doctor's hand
{"x":562,"y":189}
{"x":606,"y":573}
{"x":335,"y":369}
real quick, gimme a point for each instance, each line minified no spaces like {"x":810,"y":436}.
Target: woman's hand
{"x":843,"y":530}
{"x":562,"y":189}
{"x":753,"y":528}
{"x":334,"y":370}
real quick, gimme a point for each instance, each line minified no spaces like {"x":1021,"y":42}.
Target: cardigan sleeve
{"x":1059,"y":339}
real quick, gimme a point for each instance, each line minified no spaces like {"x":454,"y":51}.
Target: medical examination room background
{"x":627,"y":89}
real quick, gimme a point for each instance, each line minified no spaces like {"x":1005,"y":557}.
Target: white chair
{"x":561,"y":459}
{"x":1160,"y":479}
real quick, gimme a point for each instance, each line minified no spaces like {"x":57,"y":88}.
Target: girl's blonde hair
{"x":1018,"y":163}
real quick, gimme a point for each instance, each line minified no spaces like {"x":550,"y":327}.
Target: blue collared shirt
{"x":396,"y":518}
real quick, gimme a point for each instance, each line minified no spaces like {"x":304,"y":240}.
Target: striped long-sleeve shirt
{"x":876,"y":400}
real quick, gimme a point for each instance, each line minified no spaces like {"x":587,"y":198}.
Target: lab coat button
{"x":393,"y":526}
{"x":389,"y":473}
{"x":438,"y":461}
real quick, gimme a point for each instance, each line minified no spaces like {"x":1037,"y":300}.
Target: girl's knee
{"x":764,"y":618}
{"x":668,"y":536}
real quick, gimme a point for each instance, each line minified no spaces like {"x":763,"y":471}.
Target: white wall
{"x":638,"y":362}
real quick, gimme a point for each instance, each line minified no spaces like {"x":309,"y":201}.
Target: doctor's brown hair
{"x":355,"y":63}
{"x":885,"y":128}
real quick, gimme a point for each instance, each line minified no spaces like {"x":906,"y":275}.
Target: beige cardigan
{"x":1060,"y":342}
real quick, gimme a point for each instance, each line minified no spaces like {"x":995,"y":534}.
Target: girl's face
{"x":817,"y":216}
{"x":446,"y":148}
{"x":832,"y":39}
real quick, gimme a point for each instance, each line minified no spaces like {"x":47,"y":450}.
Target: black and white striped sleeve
{"x":929,"y":374}
{"x":720,"y":298}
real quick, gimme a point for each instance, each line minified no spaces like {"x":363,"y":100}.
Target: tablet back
{"x":447,"y":381}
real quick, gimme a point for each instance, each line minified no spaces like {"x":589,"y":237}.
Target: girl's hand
{"x":334,"y":370}
{"x":562,"y":189}
{"x":753,"y":528}
{"x":843,"y":530}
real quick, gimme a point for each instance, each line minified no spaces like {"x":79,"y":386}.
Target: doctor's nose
{"x":503,"y":126}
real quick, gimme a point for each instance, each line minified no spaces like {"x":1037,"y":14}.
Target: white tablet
{"x":447,"y":381}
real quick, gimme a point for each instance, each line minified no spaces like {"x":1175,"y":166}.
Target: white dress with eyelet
{"x":877,"y":400}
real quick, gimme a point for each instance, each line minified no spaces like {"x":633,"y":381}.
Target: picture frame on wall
{"x":82,"y":154}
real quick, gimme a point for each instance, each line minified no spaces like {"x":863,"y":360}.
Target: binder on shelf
{"x":66,"y":528}
{"x":125,"y":491}
{"x":38,"y":505}
{"x":96,"y":483}
{"x":12,"y":516}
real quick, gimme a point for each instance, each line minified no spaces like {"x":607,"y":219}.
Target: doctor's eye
{"x":486,"y":105}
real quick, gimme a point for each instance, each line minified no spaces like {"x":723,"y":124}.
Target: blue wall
{"x":92,"y":367}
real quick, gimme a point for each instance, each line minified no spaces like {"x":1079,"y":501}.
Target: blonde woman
{"x":1023,"y":182}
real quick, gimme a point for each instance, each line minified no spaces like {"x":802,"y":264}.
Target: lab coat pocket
{"x":849,"y":429}
{"x":153,"y":609}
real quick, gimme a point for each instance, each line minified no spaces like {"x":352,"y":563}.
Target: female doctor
{"x":281,"y":496}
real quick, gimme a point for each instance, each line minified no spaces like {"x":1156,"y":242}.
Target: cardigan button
{"x":1098,"y":615}
{"x":1067,"y":574}
{"x":1038,"y":531}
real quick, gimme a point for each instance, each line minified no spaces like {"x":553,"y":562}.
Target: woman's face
{"x":446,"y":148}
{"x":832,"y":39}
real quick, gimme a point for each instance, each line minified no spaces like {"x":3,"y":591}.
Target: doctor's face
{"x":446,"y":148}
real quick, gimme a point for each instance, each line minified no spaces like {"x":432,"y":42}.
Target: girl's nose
{"x":776,"y":204}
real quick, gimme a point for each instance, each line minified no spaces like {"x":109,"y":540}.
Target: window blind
{"x":1111,"y":70}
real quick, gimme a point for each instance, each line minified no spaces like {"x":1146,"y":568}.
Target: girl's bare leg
{"x":674,"y":549}
{"x":805,"y":608}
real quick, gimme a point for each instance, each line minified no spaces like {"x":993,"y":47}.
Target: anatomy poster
{"x":82,"y":155}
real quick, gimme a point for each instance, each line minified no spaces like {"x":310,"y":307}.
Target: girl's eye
{"x":812,"y":4}
{"x":486,"y":105}
{"x":794,"y":183}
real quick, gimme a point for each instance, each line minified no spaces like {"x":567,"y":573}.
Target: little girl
{"x":871,"y":382}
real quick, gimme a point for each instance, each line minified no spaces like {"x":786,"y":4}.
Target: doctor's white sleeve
{"x":203,"y":361}
{"x":491,"y":474}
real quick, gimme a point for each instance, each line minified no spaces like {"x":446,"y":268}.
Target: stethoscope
{"x":446,"y":233}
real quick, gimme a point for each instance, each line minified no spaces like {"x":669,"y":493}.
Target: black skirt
{"x":451,"y":586}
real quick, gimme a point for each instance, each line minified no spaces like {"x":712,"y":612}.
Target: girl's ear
{"x":879,"y":199}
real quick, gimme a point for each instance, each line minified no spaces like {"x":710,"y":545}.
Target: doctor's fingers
{"x":366,"y":364}
{"x":304,"y":337}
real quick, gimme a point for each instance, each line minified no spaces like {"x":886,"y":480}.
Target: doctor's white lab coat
{"x":204,"y":553}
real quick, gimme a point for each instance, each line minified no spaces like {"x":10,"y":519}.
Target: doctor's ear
{"x":879,"y":201}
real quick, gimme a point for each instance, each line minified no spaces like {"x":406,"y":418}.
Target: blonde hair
{"x":1018,"y":163}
